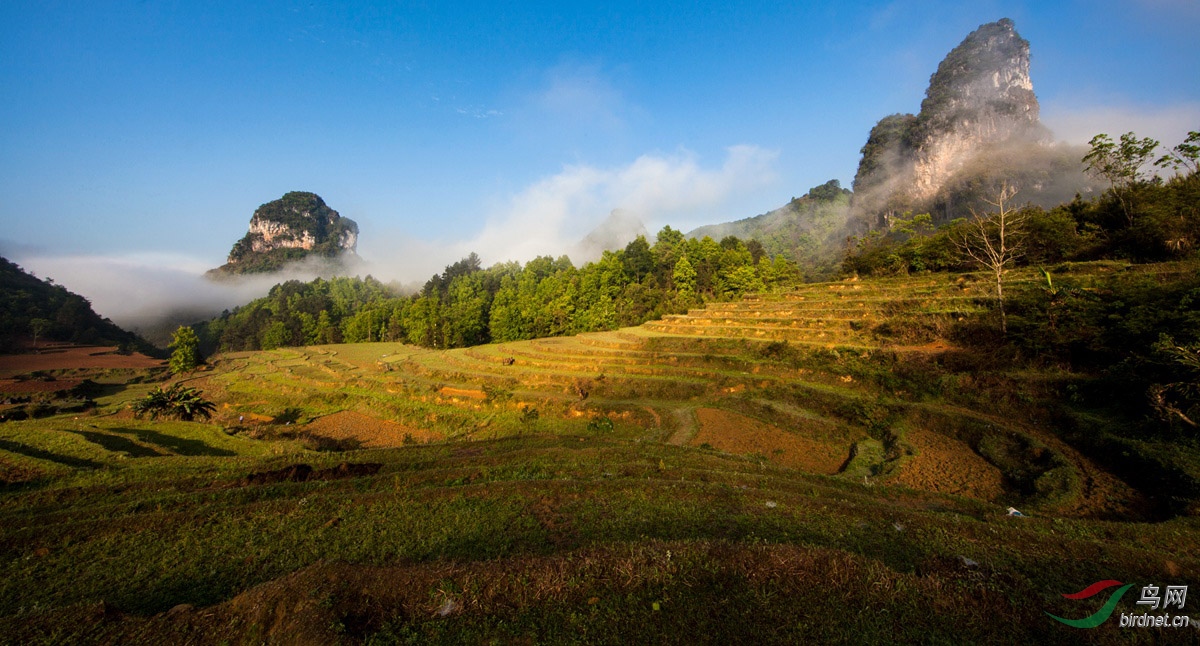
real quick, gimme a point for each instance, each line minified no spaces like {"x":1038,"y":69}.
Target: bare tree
{"x":1181,"y":399}
{"x":995,"y":241}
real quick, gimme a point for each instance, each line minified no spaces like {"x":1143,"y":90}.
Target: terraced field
{"x":794,"y":467}
{"x":804,"y":369}
{"x":846,"y":314}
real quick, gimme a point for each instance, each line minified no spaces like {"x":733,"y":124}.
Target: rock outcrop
{"x":299,"y":225}
{"x":978,"y":128}
{"x":980,"y":102}
{"x":981,"y":94}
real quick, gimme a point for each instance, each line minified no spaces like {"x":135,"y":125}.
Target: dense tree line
{"x":468,"y":305}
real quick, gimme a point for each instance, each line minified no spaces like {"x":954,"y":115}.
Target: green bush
{"x":174,"y":401}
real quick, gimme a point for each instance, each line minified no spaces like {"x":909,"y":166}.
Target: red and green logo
{"x":1104,"y":612}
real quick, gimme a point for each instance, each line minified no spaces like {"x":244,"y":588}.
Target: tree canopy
{"x":468,"y":305}
{"x":186,"y":354}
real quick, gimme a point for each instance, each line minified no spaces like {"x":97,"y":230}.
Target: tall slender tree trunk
{"x":1000,"y":298}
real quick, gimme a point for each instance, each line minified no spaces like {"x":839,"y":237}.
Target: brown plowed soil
{"x":369,"y":431}
{"x":1102,"y":495}
{"x":945,"y":465}
{"x":734,"y":433}
{"x":73,"y":357}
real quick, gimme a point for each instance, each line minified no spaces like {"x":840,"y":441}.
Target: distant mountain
{"x":617,"y":230}
{"x":295,"y":227}
{"x":802,"y":229}
{"x":30,"y":306}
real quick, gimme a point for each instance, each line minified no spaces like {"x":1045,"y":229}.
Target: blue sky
{"x":148,"y":132}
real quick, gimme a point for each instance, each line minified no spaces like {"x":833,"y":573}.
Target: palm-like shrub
{"x":174,"y":401}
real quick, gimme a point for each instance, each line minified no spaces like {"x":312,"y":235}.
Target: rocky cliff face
{"x":981,"y":94}
{"x":294,"y":227}
{"x":980,"y":99}
{"x":977,"y":130}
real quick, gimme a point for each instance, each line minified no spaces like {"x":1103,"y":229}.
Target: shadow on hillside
{"x":117,"y":444}
{"x":176,"y":445}
{"x":40,"y":454}
{"x":107,"y":390}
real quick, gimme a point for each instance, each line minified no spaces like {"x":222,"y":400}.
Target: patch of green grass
{"x":579,"y":524}
{"x":36,"y":453}
{"x":180,"y":534}
{"x":866,"y":459}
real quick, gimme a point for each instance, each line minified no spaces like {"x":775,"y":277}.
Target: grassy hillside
{"x":827,"y":464}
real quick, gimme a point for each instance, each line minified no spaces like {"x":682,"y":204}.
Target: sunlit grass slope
{"x":789,"y":468}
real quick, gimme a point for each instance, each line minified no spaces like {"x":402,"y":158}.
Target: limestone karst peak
{"x":294,"y":227}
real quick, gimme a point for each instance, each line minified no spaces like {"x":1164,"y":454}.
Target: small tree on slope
{"x":187,"y":350}
{"x":995,"y":241}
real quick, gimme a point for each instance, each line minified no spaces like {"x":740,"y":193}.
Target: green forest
{"x":1145,"y":219}
{"x":468,"y":305}
{"x":809,"y":230}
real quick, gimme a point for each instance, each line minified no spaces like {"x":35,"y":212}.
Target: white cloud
{"x":553,"y":214}
{"x":142,"y":290}
{"x":479,"y":113}
{"x":1169,"y":124}
{"x":393,"y":255}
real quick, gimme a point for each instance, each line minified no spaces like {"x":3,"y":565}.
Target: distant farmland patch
{"x":64,"y":358}
{"x":368,"y":431}
{"x":946,"y":465}
{"x":734,"y":433}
